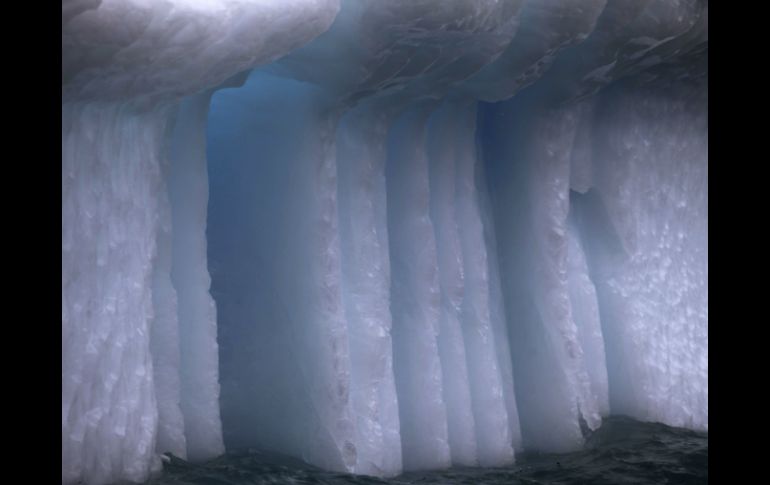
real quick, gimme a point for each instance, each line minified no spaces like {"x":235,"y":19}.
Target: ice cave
{"x":379,"y":235}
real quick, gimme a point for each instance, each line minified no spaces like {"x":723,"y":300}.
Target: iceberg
{"x":379,"y":236}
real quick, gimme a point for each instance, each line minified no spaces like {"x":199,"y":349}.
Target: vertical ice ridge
{"x":164,"y":340}
{"x":361,"y":156}
{"x":496,"y":307}
{"x":585,"y":313}
{"x":109,"y":411}
{"x":331,"y":303}
{"x":493,"y":429}
{"x":188,"y":194}
{"x":441,"y":153}
{"x":553,"y":140}
{"x":415,"y":296}
{"x":530,"y":175}
{"x":583,"y":296}
{"x":119,"y":86}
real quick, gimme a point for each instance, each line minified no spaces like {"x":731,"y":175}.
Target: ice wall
{"x":109,"y":405}
{"x":402,"y":277}
{"x":606,"y":191}
{"x":644,"y":222}
{"x":139,"y":351}
{"x":399,"y":400}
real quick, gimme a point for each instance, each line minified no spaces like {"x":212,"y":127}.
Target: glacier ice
{"x":379,"y":236}
{"x":198,"y":363}
{"x":125,"y":395}
{"x":650,"y":192}
{"x":365,"y":265}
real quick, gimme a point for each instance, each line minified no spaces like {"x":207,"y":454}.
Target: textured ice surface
{"x":528,"y":160}
{"x":454,"y":359}
{"x":139,"y":351}
{"x":112,"y":195}
{"x":456,"y":213}
{"x":629,"y":167}
{"x":188,"y":194}
{"x":402,"y":275}
{"x":416,"y":299}
{"x":366,"y":287}
{"x":122,"y":49}
{"x":649,"y":253}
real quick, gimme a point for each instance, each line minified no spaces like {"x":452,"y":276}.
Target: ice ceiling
{"x":379,"y":235}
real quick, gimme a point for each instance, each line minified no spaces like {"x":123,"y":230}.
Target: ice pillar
{"x":415,"y":296}
{"x":361,"y":157}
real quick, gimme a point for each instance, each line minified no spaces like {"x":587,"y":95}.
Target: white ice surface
{"x":139,"y":359}
{"x":401,"y":277}
{"x":648,"y":230}
{"x":112,"y":207}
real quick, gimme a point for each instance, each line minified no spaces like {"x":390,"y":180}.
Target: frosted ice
{"x":199,"y":366}
{"x":649,"y":256}
{"x":366,"y":286}
{"x":454,"y":359}
{"x":496,"y":419}
{"x":379,"y":236}
{"x":139,"y":371}
{"x":112,"y":193}
{"x":416,"y":298}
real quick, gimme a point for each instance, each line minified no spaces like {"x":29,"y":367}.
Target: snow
{"x":379,"y":236}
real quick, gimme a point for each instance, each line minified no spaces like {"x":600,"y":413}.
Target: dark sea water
{"x":622,"y":451}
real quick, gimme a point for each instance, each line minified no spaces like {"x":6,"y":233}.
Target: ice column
{"x":361,"y":157}
{"x":496,"y":309}
{"x":486,"y":347}
{"x":415,"y":296}
{"x":113,"y":208}
{"x":585,"y":313}
{"x":165,"y":337}
{"x":188,"y":193}
{"x":130,"y":279}
{"x":530,"y":176}
{"x":454,"y":367}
